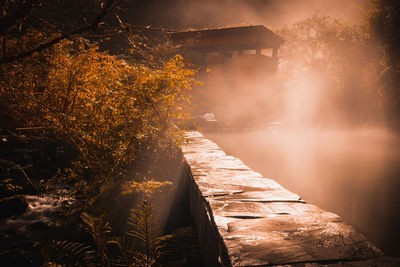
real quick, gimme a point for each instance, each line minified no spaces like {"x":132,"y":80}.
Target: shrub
{"x":108,"y":111}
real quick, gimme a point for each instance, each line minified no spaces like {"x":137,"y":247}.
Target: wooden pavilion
{"x":237,"y":65}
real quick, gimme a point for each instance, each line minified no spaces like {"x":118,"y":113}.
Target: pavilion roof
{"x":233,"y":38}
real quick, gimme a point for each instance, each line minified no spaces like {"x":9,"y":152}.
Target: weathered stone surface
{"x":244,"y":219}
{"x":286,"y":239}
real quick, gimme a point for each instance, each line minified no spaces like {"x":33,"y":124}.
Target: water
{"x":36,"y":224}
{"x":40,"y":209}
{"x":354,"y":173}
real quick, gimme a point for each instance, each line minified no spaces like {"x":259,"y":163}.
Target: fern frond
{"x":68,"y":253}
{"x":100,"y":232}
{"x":141,"y":221}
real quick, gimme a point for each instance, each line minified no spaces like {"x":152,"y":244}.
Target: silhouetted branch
{"x":20,"y":13}
{"x":4,"y":46}
{"x":108,"y":7}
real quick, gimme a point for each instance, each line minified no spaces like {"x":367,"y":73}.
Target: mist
{"x":183,"y":14}
{"x":318,"y":124}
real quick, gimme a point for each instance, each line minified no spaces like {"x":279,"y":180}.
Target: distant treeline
{"x":351,"y":68}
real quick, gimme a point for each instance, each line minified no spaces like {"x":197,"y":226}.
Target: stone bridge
{"x":244,"y":219}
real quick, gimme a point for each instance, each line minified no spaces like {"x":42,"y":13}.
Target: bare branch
{"x":4,"y":45}
{"x":22,"y":12}
{"x":47,"y":23}
{"x":107,"y":8}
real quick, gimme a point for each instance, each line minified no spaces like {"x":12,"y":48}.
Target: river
{"x":353,"y":173}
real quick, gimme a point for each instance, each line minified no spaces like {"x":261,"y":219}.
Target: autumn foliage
{"x":110,"y":112}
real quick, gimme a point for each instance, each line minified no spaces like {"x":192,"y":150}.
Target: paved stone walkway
{"x":244,"y":219}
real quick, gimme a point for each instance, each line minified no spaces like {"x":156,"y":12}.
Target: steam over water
{"x":354,"y":173}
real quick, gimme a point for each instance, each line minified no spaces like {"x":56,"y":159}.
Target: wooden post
{"x":274,"y":52}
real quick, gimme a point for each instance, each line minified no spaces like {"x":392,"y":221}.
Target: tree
{"x":21,"y":20}
{"x":383,"y":19}
{"x":113,"y":114}
{"x":110,"y":112}
{"x":332,"y":59}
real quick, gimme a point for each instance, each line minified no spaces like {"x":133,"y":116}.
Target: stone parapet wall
{"x":244,"y":219}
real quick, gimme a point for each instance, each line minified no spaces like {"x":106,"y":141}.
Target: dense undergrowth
{"x":115,"y":142}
